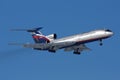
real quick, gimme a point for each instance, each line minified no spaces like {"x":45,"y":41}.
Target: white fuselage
{"x":85,"y":37}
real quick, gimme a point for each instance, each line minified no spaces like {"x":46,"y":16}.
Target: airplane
{"x":75,"y":43}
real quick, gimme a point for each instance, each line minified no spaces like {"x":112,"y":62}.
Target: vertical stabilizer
{"x":37,"y":36}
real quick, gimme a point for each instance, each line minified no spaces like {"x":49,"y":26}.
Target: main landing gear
{"x":52,"y":49}
{"x":77,"y":51}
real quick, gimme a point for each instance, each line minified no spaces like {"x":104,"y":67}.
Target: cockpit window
{"x":108,"y":30}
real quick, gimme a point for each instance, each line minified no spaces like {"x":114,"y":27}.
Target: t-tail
{"x":37,"y":36}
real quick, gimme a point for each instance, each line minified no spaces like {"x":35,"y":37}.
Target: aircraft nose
{"x":109,"y":33}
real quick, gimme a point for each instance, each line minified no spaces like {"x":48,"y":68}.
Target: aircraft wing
{"x":40,"y":46}
{"x":45,"y":46}
{"x":79,"y":48}
{"x":56,"y":46}
{"x":30,"y":45}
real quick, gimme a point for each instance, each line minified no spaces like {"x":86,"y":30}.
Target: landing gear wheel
{"x":53,"y":51}
{"x":78,"y":53}
{"x":101,"y":44}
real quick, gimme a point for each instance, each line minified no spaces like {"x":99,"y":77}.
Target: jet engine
{"x":52,"y":36}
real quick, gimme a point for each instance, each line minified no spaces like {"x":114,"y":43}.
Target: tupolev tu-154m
{"x":75,"y":43}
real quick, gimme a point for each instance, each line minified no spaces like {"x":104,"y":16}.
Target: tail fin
{"x":36,"y":34}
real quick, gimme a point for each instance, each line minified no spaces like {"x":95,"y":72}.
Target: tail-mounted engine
{"x":52,"y":36}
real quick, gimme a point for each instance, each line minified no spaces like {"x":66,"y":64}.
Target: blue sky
{"x":64,"y":17}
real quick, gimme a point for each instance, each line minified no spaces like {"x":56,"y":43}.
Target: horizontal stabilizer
{"x":15,"y":44}
{"x":28,"y":30}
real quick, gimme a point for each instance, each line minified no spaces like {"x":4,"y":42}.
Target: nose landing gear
{"x":101,"y":42}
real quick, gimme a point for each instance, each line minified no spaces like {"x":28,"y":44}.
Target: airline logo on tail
{"x":40,"y":39}
{"x":37,"y":36}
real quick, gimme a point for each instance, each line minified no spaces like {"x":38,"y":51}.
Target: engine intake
{"x":52,"y":36}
